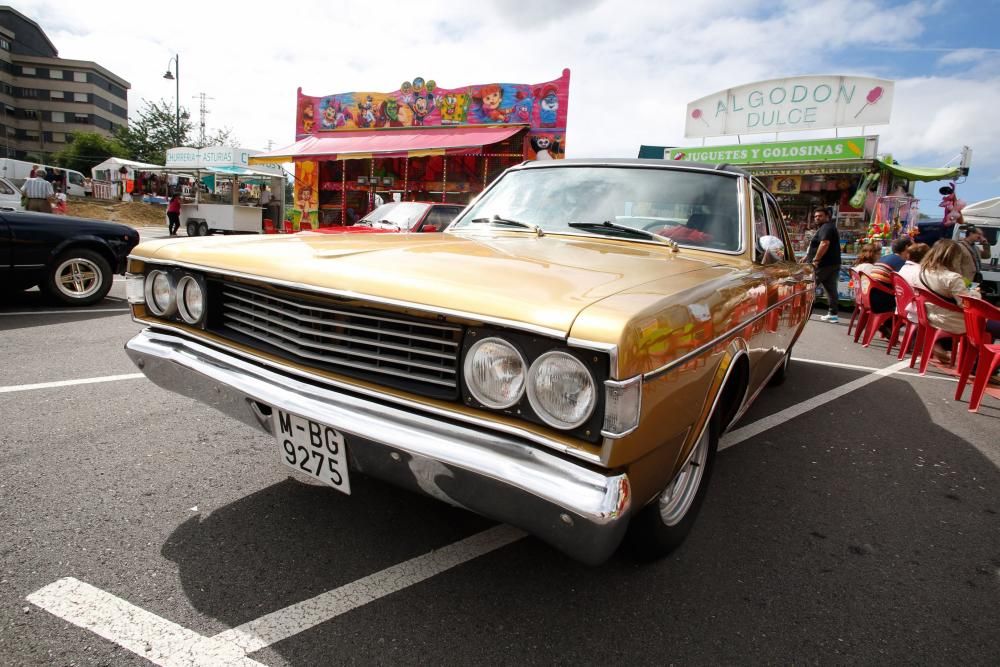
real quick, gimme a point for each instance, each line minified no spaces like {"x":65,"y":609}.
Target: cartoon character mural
{"x":306,"y":193}
{"x":423,"y":103}
{"x":545,"y":146}
{"x":307,"y":116}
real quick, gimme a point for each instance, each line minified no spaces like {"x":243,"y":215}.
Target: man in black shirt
{"x":824,"y":254}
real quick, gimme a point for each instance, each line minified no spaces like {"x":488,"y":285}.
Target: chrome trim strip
{"x":554,"y":445}
{"x":344,"y":294}
{"x":370,"y":342}
{"x":264,"y":293}
{"x":654,"y":374}
{"x":575,"y":507}
{"x":28,"y":266}
{"x":333,"y":361}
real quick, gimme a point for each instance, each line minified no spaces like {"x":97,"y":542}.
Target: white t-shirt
{"x":910,"y":272}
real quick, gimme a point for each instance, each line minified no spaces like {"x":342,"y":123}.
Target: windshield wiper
{"x":608,"y":226}
{"x":497,"y":220}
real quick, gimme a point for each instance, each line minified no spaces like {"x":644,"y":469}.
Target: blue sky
{"x":635,"y":65}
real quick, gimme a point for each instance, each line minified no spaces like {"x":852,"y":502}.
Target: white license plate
{"x":315,"y":449}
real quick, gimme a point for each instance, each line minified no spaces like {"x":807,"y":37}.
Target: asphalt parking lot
{"x":853,"y":517}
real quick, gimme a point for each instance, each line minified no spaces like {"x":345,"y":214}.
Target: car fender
{"x":88,"y":241}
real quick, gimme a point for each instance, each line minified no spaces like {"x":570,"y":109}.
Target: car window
{"x":775,"y":225}
{"x":5,"y":189}
{"x":75,"y":179}
{"x":401,"y":215}
{"x":760,"y":224}
{"x":694,"y":208}
{"x":441,"y":217}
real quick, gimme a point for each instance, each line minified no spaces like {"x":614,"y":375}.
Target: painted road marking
{"x":165,"y":643}
{"x":756,"y":428}
{"x":70,"y":383}
{"x":74,"y":311}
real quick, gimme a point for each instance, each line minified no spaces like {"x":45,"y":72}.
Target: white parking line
{"x":69,"y":383}
{"x":165,"y":643}
{"x":73,"y":311}
{"x":769,"y":422}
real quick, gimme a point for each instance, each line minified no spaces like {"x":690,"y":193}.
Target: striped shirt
{"x":37,"y":188}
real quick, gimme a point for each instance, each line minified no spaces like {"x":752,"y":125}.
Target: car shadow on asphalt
{"x":34,"y":300}
{"x":857,"y":530}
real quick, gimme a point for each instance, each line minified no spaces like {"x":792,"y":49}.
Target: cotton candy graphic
{"x":697,"y":114}
{"x":874,"y":95}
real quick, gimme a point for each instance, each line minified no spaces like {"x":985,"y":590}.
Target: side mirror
{"x":771,"y":248}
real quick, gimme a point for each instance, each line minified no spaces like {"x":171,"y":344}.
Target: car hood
{"x":539,"y":281}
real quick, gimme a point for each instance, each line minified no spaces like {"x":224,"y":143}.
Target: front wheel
{"x":191,"y":228}
{"x":79,"y":277}
{"x":661,"y":526}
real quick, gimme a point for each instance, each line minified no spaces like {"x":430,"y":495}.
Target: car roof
{"x":679,"y":165}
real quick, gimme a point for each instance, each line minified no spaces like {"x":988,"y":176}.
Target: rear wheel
{"x":191,"y":228}
{"x":203,"y":228}
{"x":79,"y":277}
{"x":661,"y":526}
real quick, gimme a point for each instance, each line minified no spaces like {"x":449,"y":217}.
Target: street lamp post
{"x":176,"y":75}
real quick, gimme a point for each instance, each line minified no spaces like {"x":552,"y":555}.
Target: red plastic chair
{"x":287,"y":228}
{"x":269,"y":226}
{"x":932,"y":334}
{"x":862,"y":285}
{"x":874,"y":320}
{"x":856,"y":284}
{"x":305,"y":225}
{"x":981,"y":346}
{"x":904,"y":297}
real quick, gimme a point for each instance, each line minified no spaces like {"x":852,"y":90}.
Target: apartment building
{"x":44,"y":97}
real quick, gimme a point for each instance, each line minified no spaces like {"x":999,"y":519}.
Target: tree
{"x":153,"y":131}
{"x":86,"y":150}
{"x":222,"y":137}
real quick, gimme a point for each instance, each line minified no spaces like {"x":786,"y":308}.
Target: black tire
{"x":191,"y":228}
{"x":781,"y":374}
{"x":661,"y":526}
{"x":203,"y":228}
{"x":79,"y":277}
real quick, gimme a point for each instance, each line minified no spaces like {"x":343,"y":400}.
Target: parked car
{"x":564,"y":358}
{"x":10,"y":196}
{"x":407,"y":216}
{"x":73,"y":259}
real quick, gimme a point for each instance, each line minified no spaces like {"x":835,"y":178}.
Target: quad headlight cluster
{"x":561,"y":390}
{"x":169,"y":294}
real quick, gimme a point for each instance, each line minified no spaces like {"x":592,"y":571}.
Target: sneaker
{"x":833,"y":319}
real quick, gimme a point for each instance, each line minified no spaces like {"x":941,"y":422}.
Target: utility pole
{"x":203,"y":109}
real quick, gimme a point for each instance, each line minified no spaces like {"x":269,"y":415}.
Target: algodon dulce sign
{"x":795,"y":103}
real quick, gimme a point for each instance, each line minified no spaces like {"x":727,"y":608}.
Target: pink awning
{"x":407,"y":142}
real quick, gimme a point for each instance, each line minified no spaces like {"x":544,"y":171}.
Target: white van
{"x":986,"y":216}
{"x":18,"y":171}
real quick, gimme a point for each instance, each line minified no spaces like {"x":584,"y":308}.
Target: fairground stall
{"x":421,"y":142}
{"x":227,"y":190}
{"x":871,"y":195}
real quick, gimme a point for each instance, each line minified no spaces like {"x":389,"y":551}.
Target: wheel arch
{"x":88,"y":243}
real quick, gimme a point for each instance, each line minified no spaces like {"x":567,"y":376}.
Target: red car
{"x":405,"y":216}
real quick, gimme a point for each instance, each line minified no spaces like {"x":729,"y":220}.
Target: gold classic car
{"x":564,"y":358}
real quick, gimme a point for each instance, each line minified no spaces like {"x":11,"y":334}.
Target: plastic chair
{"x":864,"y":307}
{"x":269,"y":226}
{"x":874,"y":320}
{"x":904,"y":297}
{"x":932,"y":334}
{"x":981,"y":347}
{"x":287,"y":228}
{"x":856,"y":284}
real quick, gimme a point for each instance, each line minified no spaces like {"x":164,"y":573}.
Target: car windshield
{"x":399,"y":215}
{"x":693,"y":208}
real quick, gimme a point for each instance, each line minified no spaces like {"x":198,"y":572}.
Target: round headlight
{"x":494,"y":373}
{"x":190,"y":300}
{"x":561,"y":390}
{"x":161,"y":296}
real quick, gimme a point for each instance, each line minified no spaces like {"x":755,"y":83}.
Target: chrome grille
{"x":382,"y":347}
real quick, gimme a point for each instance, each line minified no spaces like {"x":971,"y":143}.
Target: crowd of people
{"x":948,"y":269}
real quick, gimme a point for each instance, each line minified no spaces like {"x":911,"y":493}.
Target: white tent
{"x":110,"y":169}
{"x":986,"y":212}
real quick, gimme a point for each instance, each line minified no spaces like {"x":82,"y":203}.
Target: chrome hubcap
{"x":78,"y":278}
{"x":676,"y":499}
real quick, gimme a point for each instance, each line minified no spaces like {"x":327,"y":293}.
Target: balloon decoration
{"x":893,"y":217}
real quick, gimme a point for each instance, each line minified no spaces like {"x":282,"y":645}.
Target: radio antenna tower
{"x":203,"y":109}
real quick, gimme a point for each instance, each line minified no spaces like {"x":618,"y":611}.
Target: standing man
{"x":39,"y":193}
{"x":971,"y":267}
{"x":265,"y":196}
{"x":824,"y":255}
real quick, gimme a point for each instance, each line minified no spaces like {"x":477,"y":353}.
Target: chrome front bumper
{"x":578,"y":509}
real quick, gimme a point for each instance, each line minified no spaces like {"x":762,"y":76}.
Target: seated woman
{"x":867,"y":257}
